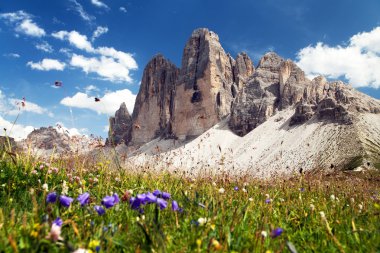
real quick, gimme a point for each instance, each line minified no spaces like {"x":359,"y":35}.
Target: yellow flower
{"x":93,"y":244}
{"x":199,"y":243}
{"x":34,"y":234}
{"x":212,"y":227}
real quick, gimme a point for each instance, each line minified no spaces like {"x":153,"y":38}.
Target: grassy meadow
{"x":121,"y":211}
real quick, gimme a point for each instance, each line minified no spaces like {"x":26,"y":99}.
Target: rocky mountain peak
{"x":119,"y":125}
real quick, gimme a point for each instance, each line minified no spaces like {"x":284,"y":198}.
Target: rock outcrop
{"x":48,"y":138}
{"x":154,"y":102}
{"x":205,"y":88}
{"x":119,"y":126}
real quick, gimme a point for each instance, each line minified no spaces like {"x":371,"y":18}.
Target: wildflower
{"x":267,"y":196}
{"x":157,"y":193}
{"x":221,"y":190}
{"x":135,"y":203}
{"x":199,"y":243}
{"x":80,"y":250}
{"x":116,"y":197}
{"x":94,"y":244}
{"x":264,"y":234}
{"x":51,"y":197}
{"x":216,"y":244}
{"x":55,"y":233}
{"x":268,"y":201}
{"x":55,"y":170}
{"x":166,"y":195}
{"x":281,"y":200}
{"x":150,"y":198}
{"x":213,"y":184}
{"x":161,"y":203}
{"x":323,"y":216}
{"x":41,"y":166}
{"x":109,"y":201}
{"x":236,"y":188}
{"x":332,"y":197}
{"x":201,"y":205}
{"x":34,"y":172}
{"x":58,"y":222}
{"x":65,"y":201}
{"x":352,"y":200}
{"x":175,"y":206}
{"x":360,"y":207}
{"x":250,"y":199}
{"x":65,"y":188}
{"x":141,"y":198}
{"x":100,"y":210}
{"x":276,"y":232}
{"x":312,"y":207}
{"x":302,"y":189}
{"x":202,"y":221}
{"x":84,"y":198}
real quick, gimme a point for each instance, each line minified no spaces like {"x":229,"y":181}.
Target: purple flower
{"x":162,"y":203}
{"x":157,"y":193}
{"x":58,"y":222}
{"x":100,"y":210}
{"x":175,"y":206}
{"x":110,"y":201}
{"x":150,"y":198}
{"x":51,"y":197}
{"x":141,"y":198}
{"x":84,"y":198}
{"x":268,"y":201}
{"x":165,"y":195}
{"x":302,"y":189}
{"x":276,"y":232}
{"x":116,"y":197}
{"x":236,"y":188}
{"x":135,"y":203}
{"x":65,"y":201}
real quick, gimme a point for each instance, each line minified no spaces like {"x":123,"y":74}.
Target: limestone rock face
{"x":120,"y":125}
{"x":278,"y":84}
{"x":243,"y":69}
{"x":48,"y":138}
{"x":154,"y":102}
{"x":204,"y":91}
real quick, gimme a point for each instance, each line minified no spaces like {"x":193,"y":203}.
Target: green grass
{"x":235,"y":219}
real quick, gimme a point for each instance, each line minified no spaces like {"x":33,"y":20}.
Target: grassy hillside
{"x":305,"y":213}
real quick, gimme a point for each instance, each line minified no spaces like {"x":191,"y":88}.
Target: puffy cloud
{"x":76,"y":39}
{"x":109,"y":63}
{"x":47,"y":64}
{"x":123,"y":9}
{"x":16,"y":131}
{"x":100,"y":30}
{"x":108,"y":104}
{"x":44,"y":46}
{"x":106,"y":67}
{"x":358,"y":61}
{"x":99,"y":4}
{"x":23,"y":23}
{"x":82,"y":13}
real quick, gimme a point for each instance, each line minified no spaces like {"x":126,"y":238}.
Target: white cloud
{"x":100,"y":30}
{"x":12,"y":55}
{"x":123,"y":9}
{"x":89,"y":88}
{"x":105,"y":67}
{"x":12,"y":106}
{"x":76,"y":39}
{"x":109,"y":63}
{"x":60,"y":127}
{"x":44,"y":46}
{"x":358,"y":61}
{"x":82,"y":13}
{"x":99,"y":4}
{"x":47,"y":64}
{"x":23,"y":23}
{"x":16,"y":131}
{"x":108,"y":104}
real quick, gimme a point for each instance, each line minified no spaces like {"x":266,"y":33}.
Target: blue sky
{"x":100,"y":47}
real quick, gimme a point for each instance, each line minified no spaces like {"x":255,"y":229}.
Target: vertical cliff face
{"x":120,"y":125}
{"x":204,"y":91}
{"x":154,"y":102}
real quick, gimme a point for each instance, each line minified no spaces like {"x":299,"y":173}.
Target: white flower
{"x":250,"y":199}
{"x":65,"y":188}
{"x":202,"y":221}
{"x":332,"y":197}
{"x":281,"y":200}
{"x":245,"y":184}
{"x":45,"y":187}
{"x":55,"y":233}
{"x":267,"y":196}
{"x":312,"y":207}
{"x":221,"y":190}
{"x":264,"y":234}
{"x":213,"y":184}
{"x":323,"y":216}
{"x":352,"y":200}
{"x":244,"y":190}
{"x":80,"y":250}
{"x":360,"y":206}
